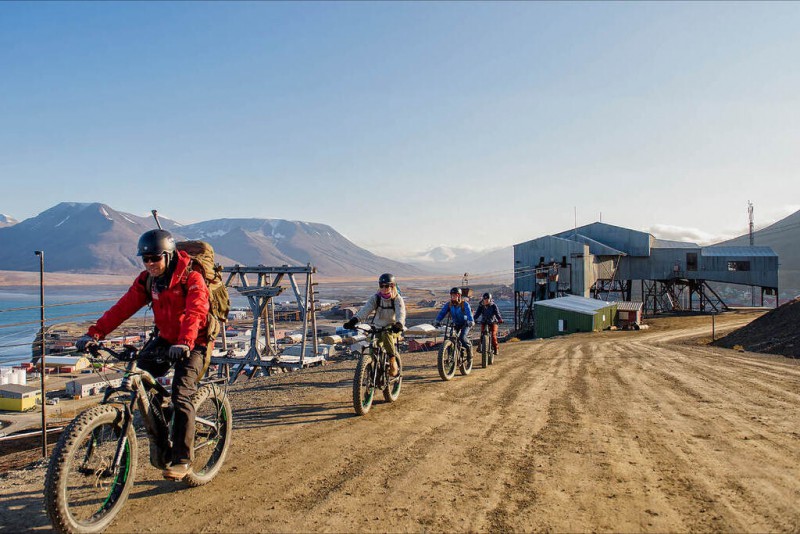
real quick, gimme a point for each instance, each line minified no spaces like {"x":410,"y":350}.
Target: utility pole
{"x":40,"y":253}
{"x":752,"y":242}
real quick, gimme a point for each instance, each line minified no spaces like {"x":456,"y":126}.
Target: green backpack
{"x":202,"y":255}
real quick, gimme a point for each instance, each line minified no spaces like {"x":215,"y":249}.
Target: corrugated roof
{"x":576,"y":304}
{"x":18,"y":388}
{"x":667,"y":243}
{"x":739,"y":251}
{"x":624,"y":305}
{"x":94,"y":379}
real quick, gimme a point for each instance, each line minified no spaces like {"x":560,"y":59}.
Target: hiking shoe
{"x":176,"y":471}
{"x":394,"y":370}
{"x":158,"y":456}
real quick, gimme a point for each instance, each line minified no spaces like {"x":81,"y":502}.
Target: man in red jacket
{"x":180,"y":309}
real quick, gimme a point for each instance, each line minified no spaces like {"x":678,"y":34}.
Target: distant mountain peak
{"x":106,"y":241}
{"x":7,"y":220}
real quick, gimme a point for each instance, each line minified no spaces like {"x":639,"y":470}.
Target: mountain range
{"x":95,"y":238}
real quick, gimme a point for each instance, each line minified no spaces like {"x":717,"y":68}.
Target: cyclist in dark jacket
{"x":461,"y":315}
{"x":489,"y":316}
{"x":180,"y":303}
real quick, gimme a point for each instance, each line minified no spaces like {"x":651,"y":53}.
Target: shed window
{"x":738,"y":265}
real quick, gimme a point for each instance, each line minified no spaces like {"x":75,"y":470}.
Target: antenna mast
{"x":155,"y":216}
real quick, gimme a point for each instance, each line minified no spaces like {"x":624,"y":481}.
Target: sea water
{"x":20,"y":312}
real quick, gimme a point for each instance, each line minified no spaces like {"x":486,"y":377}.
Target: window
{"x":691,"y":261}
{"x":738,"y":265}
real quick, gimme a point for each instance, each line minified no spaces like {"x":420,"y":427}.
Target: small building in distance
{"x":86,"y":386}
{"x":570,"y":314}
{"x":629,"y":314}
{"x":18,"y":398}
{"x":66,"y":364}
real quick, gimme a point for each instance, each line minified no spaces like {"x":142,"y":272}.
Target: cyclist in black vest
{"x":390,"y":309}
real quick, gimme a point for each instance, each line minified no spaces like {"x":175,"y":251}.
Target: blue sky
{"x":407,"y":125}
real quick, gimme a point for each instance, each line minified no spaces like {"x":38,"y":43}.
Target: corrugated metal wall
{"x":547,"y":320}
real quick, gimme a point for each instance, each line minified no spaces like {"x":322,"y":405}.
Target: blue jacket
{"x":460,"y":316}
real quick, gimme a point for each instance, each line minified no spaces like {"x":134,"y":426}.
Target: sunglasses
{"x":384,"y":286}
{"x":152,"y":259}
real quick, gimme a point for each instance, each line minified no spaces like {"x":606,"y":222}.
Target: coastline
{"x":31,"y":278}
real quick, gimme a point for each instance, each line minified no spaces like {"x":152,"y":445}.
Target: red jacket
{"x":180,"y":312}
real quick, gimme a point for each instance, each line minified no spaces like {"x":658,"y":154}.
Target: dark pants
{"x":462,"y":336}
{"x":184,"y":386}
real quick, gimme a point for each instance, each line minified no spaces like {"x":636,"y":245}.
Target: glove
{"x":349,"y":325}
{"x":437,"y":324}
{"x":178,"y":352}
{"x":82,"y":344}
{"x":397,"y":327}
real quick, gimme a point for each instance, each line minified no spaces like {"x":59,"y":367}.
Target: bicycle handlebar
{"x":372,"y":329}
{"x":128,"y":353}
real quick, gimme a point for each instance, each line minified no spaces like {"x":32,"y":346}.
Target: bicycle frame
{"x":380,"y":376}
{"x":451,"y":334}
{"x":136,"y":383}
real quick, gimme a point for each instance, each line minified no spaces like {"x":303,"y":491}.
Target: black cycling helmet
{"x":455,"y":291}
{"x":386,"y":278}
{"x":155,"y":242}
{"x":487,"y":296}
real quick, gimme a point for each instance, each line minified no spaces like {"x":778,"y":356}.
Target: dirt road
{"x":616,"y":431}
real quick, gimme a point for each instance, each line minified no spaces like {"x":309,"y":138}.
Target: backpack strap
{"x":380,"y":299}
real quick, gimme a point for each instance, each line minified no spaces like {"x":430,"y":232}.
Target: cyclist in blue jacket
{"x":460,"y":315}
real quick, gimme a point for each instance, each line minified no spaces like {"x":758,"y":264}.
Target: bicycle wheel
{"x":83,"y":492}
{"x":465,"y":365}
{"x":485,"y":360}
{"x":392,"y":391}
{"x":213,"y":429}
{"x":446,"y":362}
{"x":363,"y":387}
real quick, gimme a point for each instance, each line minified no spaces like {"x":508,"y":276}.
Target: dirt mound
{"x":775,"y":332}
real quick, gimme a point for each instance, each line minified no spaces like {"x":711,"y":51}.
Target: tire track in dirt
{"x":702,"y":442}
{"x":611,"y":431}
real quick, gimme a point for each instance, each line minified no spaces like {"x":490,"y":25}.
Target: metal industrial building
{"x":604,"y":261}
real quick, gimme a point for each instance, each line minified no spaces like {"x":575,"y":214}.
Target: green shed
{"x":570,"y":314}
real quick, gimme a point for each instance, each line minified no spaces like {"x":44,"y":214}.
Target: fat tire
{"x":392,"y":391}
{"x":56,"y":479}
{"x":485,"y":358}
{"x":363,"y":370}
{"x":446,"y":373}
{"x":221,"y":407}
{"x":465,"y":367}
